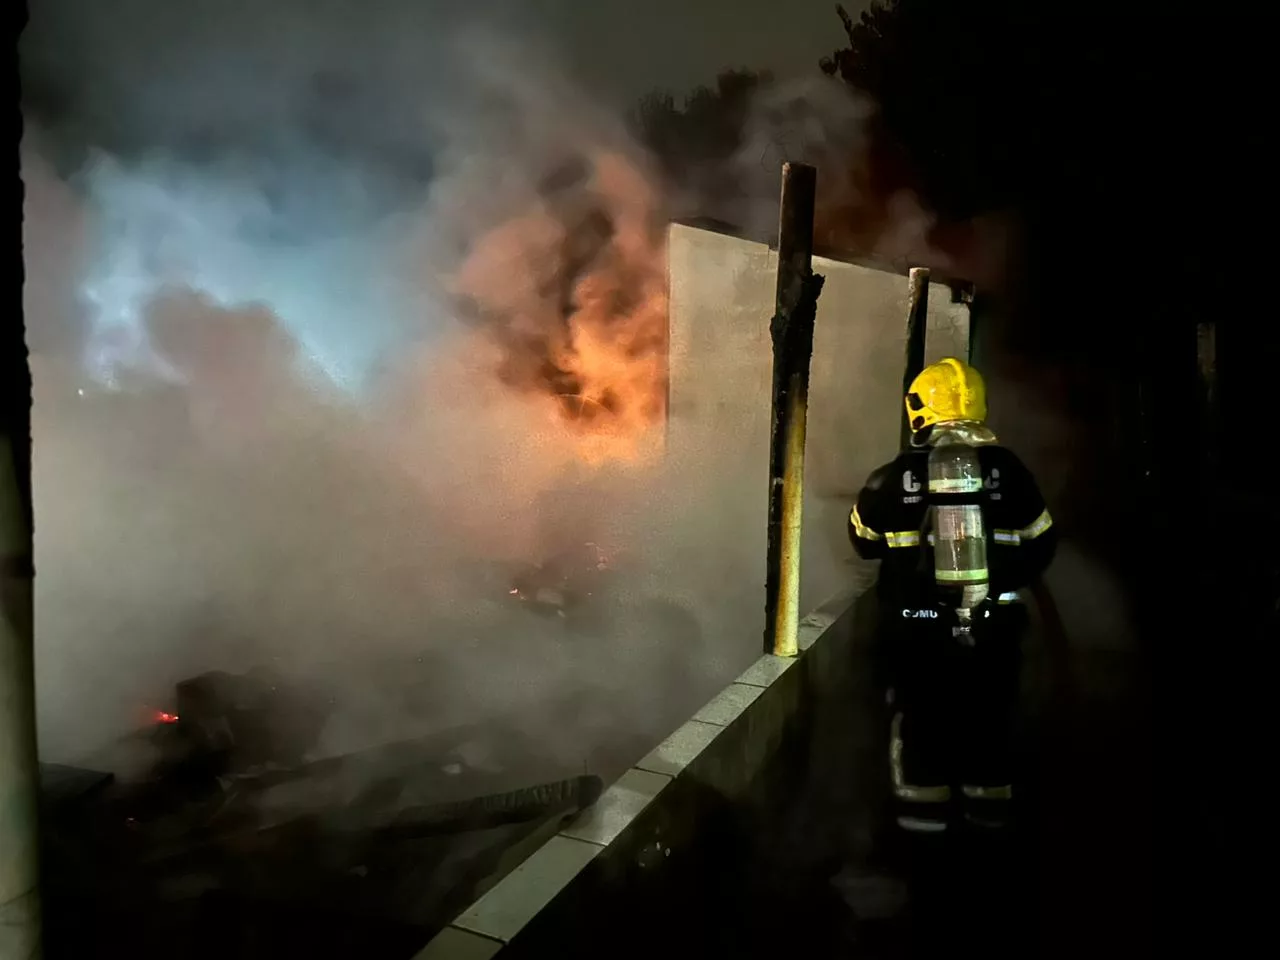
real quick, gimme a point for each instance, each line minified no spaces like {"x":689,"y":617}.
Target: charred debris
{"x":233,"y":844}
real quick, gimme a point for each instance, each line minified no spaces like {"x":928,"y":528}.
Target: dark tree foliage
{"x":952,"y":84}
{"x":693,"y":137}
{"x":1075,"y":119}
{"x":1023,"y":110}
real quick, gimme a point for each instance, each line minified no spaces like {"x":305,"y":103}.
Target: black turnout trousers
{"x":956,"y":701}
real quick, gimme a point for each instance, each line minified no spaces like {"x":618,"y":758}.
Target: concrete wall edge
{"x":607,"y":828}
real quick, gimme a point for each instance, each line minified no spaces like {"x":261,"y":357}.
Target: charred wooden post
{"x":917,"y":312}
{"x":964,"y":293}
{"x":792,"y":331}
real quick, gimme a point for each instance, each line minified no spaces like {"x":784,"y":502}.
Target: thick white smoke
{"x":162,"y":223}
{"x":267,"y":434}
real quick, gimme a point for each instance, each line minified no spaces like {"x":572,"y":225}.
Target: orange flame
{"x":574,"y":293}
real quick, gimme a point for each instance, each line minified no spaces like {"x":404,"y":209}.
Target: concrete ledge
{"x":502,"y":912}
{"x":660,"y":810}
{"x":453,"y":943}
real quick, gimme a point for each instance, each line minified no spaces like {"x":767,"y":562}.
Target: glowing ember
{"x":162,"y":717}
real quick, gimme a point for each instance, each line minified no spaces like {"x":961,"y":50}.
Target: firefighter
{"x":949,"y":657}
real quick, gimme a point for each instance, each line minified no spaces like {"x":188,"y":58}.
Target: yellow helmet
{"x":944,"y":391}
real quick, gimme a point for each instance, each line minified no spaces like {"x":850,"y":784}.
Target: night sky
{"x":286,"y":125}
{"x":633,"y":46}
{"x":619,"y":48}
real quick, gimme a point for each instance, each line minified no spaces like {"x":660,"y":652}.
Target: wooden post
{"x":792,"y":332}
{"x":917,"y":312}
{"x":967,"y":295}
{"x":19,"y":778}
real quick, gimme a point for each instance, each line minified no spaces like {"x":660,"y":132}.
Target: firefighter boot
{"x":921,"y":791}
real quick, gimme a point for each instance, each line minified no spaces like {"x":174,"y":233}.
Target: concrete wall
{"x":665,"y":855}
{"x":722,"y":297}
{"x":704,"y":797}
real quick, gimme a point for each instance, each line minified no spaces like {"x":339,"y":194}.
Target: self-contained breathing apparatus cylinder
{"x":959,"y":533}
